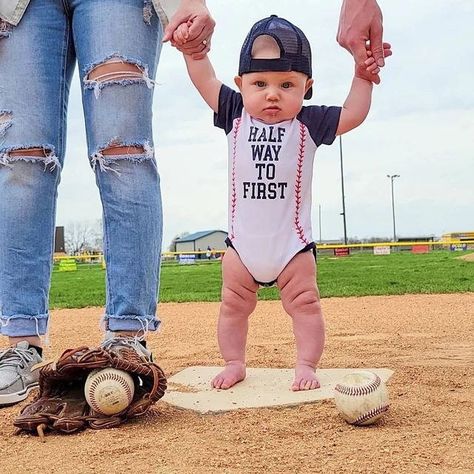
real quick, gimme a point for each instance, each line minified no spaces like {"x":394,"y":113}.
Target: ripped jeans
{"x":117,"y":46}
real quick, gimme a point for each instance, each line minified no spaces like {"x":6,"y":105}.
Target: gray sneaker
{"x":127,"y":347}
{"x":16,"y":377}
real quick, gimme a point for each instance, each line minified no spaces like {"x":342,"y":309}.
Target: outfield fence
{"x":338,"y":249}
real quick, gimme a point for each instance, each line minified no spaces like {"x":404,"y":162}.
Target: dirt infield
{"x":427,"y":339}
{"x":468,"y":258}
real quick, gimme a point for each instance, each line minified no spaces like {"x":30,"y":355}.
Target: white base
{"x":191,"y":389}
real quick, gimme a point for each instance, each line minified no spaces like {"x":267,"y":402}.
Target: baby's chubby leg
{"x":300,"y":299}
{"x":239,"y":298}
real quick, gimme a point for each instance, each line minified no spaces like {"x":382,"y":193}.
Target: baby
{"x":272,"y":141}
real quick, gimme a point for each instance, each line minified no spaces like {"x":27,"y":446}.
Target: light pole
{"x":392,"y":177}
{"x":343,"y":213}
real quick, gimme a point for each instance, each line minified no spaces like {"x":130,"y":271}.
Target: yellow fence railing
{"x":438,"y":243}
{"x":99,"y":258}
{"x":95,"y":258}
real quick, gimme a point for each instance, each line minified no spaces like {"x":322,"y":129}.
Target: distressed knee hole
{"x":115,"y":150}
{"x":44,"y":155}
{"x":115,"y":69}
{"x":37,"y":152}
{"x":123,"y":150}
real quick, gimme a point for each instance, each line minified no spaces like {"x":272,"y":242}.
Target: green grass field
{"x":357,"y":275}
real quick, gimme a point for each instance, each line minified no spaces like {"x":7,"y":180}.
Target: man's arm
{"x":361,"y":21}
{"x":204,"y":79}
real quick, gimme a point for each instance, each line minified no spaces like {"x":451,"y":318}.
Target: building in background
{"x":458,"y":236}
{"x":200,"y":241}
{"x":463,"y":237}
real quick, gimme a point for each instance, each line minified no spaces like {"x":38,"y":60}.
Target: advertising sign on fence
{"x":67,"y":265}
{"x":382,"y":250}
{"x":187,"y":259}
{"x":420,"y":249}
{"x":341,"y":252}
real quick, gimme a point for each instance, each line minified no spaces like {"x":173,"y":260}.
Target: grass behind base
{"x":357,"y":275}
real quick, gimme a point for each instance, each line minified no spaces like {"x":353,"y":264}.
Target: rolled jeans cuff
{"x":129,"y":322}
{"x":18,"y":325}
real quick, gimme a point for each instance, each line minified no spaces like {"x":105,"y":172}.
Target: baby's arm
{"x":204,"y":79}
{"x":201,"y":73}
{"x":357,"y":104}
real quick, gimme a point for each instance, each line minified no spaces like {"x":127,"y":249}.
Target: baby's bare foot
{"x":233,"y":373}
{"x":305,"y":378}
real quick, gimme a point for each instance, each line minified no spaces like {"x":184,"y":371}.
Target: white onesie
{"x":270,"y":175}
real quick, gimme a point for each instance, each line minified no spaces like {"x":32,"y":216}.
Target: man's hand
{"x":201,"y":26}
{"x":361,"y":22}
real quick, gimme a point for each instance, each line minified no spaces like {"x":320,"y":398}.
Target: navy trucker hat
{"x":295,"y":51}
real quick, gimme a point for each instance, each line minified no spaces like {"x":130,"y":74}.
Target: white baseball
{"x":109,"y":391}
{"x":361,"y":398}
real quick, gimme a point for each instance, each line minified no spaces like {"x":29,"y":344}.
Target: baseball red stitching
{"x":371,"y":414}
{"x":358,"y":391}
{"x":299,"y":172}
{"x":233,"y":199}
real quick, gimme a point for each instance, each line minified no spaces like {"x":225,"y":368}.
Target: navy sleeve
{"x":229,"y":108}
{"x":321,"y":121}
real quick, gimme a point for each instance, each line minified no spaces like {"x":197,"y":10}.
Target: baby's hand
{"x":181,"y":34}
{"x":370,"y":71}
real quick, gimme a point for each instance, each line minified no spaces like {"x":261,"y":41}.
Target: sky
{"x":421,"y":127}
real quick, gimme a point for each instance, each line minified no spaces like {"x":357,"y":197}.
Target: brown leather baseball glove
{"x":61,"y":404}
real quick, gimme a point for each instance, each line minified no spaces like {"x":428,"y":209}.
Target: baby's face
{"x":273,"y":97}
